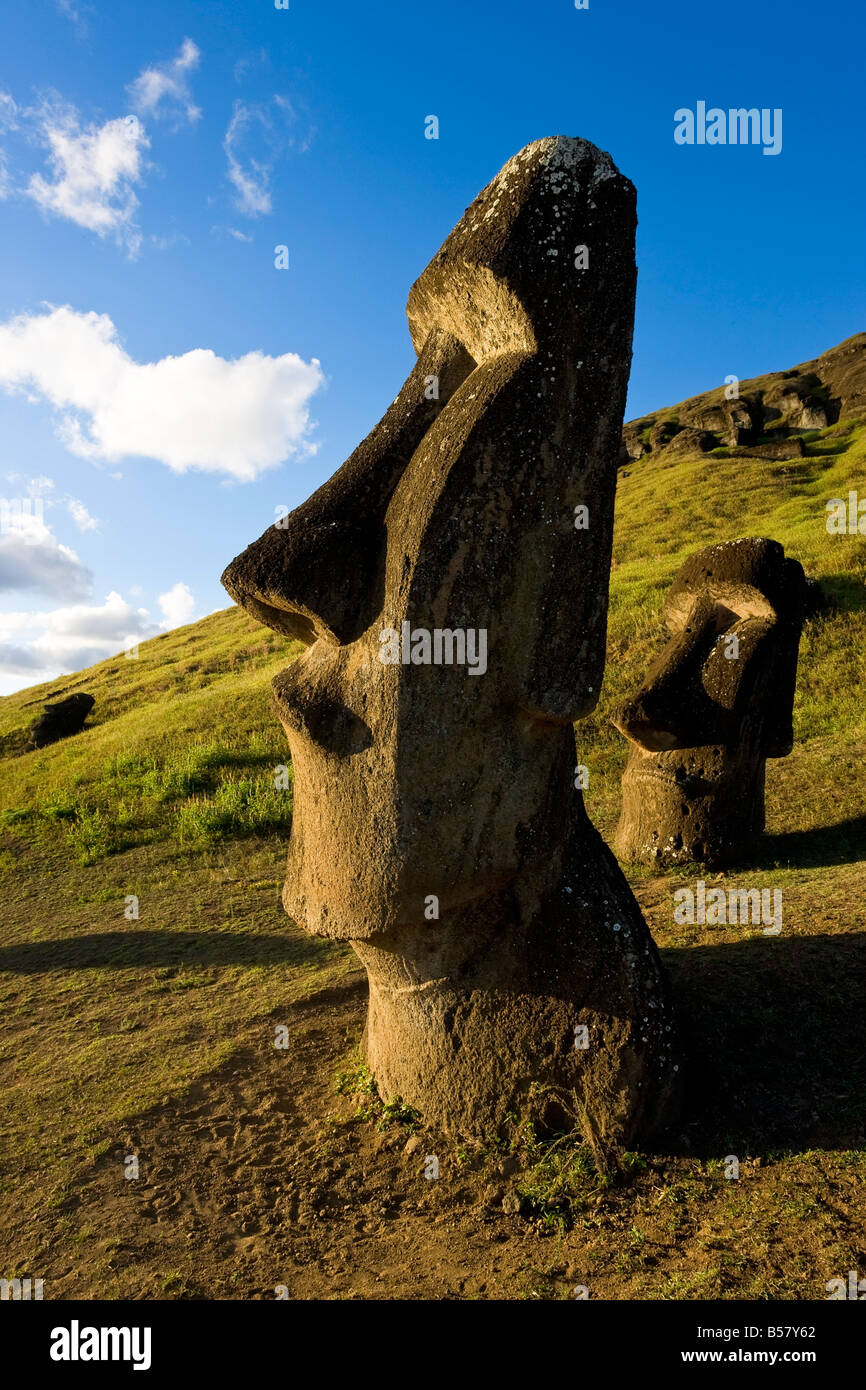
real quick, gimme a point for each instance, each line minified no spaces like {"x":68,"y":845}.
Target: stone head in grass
{"x":450,"y":583}
{"x":715,"y":704}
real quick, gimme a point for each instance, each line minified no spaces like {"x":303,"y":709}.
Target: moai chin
{"x":455,"y":617}
{"x":714,"y":706}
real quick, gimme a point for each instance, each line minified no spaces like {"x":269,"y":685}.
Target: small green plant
{"x":174,"y":1283}
{"x":354,"y":1080}
{"x":358,"y":1082}
{"x":394,"y":1112}
{"x":91,"y":837}
{"x":560,"y":1176}
{"x":632,"y":1163}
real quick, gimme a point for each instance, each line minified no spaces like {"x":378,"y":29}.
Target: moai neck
{"x":547,"y":1001}
{"x":701,"y":804}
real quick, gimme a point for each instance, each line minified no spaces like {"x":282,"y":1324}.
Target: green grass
{"x":148,"y":767}
{"x":356,"y":1081}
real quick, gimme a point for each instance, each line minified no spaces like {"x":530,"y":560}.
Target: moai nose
{"x":318,"y":572}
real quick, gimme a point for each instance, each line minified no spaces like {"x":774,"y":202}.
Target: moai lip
{"x":436,"y":823}
{"x":715,"y":704}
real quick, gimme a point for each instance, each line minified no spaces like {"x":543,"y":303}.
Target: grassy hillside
{"x":168,"y":795}
{"x":181,"y":745}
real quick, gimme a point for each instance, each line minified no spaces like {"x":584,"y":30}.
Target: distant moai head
{"x":715,"y":704}
{"x":450,"y":583}
{"x":456,"y":515}
{"x":61,"y":719}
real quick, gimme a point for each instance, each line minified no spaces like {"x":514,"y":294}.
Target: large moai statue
{"x":715,"y":704}
{"x":450,"y":582}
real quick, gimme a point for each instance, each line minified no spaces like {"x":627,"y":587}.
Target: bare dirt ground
{"x":261,"y":1181}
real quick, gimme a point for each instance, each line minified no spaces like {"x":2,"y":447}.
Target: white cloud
{"x":164,"y":243}
{"x":94,"y":170}
{"x":110,"y":624}
{"x":177,"y":605}
{"x":250,"y":179}
{"x":257,"y":136}
{"x":8,"y":112}
{"x":40,"y":487}
{"x":31,"y":557}
{"x":163,"y":90}
{"x":237,"y":417}
{"x":15,"y":661}
{"x":219,"y":230}
{"x":68,"y":639}
{"x":68,"y":8}
{"x":80,"y":515}
{"x":8,"y":121}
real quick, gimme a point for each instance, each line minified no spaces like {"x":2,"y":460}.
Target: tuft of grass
{"x":90,"y":837}
{"x":560,"y":1178}
{"x":247,"y":807}
{"x":357,"y":1082}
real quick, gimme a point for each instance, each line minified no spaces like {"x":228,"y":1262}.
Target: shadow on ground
{"x":842,"y":843}
{"x":773,"y":1029}
{"x":122,"y":950}
{"x":774,"y":1036}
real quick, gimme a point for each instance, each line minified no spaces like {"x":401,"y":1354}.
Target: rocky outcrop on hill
{"x":767,"y":416}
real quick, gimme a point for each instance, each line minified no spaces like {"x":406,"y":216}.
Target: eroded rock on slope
{"x":769,"y":414}
{"x":60,"y":720}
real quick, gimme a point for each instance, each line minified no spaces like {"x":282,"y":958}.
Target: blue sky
{"x":164,"y":388}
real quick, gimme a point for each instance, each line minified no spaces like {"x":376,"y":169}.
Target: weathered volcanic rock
{"x":788,"y":448}
{"x":436,"y":823}
{"x":732,"y":422}
{"x":783,"y":405}
{"x":691,"y":441}
{"x":632,"y":446}
{"x":714,"y":706}
{"x":61,"y":719}
{"x":662,"y":434}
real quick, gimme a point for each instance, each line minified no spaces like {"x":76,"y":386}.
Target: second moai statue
{"x":715,"y":704}
{"x":450,"y":582}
